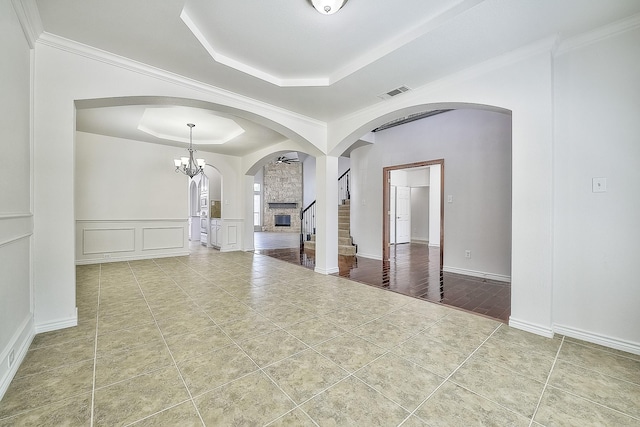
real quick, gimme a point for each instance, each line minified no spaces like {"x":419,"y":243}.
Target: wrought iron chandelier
{"x":189,"y":165}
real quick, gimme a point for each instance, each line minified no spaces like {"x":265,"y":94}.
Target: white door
{"x":403,"y":214}
{"x":392,"y":215}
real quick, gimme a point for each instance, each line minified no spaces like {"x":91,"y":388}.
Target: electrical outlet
{"x":467,"y":254}
{"x":107,"y":256}
{"x":12,"y":358}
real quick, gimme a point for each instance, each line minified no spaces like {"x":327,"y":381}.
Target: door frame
{"x":386,"y":190}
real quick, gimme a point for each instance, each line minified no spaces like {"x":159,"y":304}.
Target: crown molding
{"x":630,"y":23}
{"x":29,"y":18}
{"x":375,"y":53}
{"x":245,"y":68}
{"x":413,"y":97}
{"x":228,"y":98}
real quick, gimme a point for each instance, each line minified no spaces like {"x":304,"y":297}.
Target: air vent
{"x":394,"y":92}
{"x":409,"y":118}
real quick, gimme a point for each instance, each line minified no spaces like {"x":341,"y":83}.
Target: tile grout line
{"x":546,"y":383}
{"x":165,"y":341}
{"x":346,"y":331}
{"x":95,"y":349}
{"x":310,"y":347}
{"x":260,"y":368}
{"x":450,"y":375}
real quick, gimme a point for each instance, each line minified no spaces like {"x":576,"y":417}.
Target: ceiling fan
{"x":286,"y":160}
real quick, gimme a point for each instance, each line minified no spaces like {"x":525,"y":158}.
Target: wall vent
{"x":394,"y":92}
{"x":409,"y":118}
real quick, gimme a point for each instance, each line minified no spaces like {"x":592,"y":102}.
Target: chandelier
{"x":188,"y":165}
{"x":328,"y":7}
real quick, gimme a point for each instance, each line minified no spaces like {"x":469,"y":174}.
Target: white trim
{"x":417,"y":95}
{"x":15,"y":239}
{"x":20,"y":343}
{"x":135,"y":220}
{"x":387,"y":47}
{"x":628,"y":346}
{"x":326,"y":271}
{"x":14,"y":227}
{"x":420,"y":241}
{"x":599,"y":34}
{"x":369,"y":256}
{"x":57,"y":324}
{"x":14,"y":216}
{"x":434,"y":245}
{"x":232,"y":99}
{"x":29,"y":17}
{"x":481,"y":274}
{"x":530,"y":327}
{"x":129,"y":258}
{"x":85,"y":231}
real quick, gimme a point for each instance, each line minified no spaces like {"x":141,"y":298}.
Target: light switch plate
{"x":599,"y":185}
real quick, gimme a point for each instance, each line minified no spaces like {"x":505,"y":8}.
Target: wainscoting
{"x":16,"y":295}
{"x":124,"y":240}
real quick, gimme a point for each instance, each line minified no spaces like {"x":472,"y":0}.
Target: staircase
{"x":345,"y":241}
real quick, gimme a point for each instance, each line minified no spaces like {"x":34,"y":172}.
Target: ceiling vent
{"x":394,"y":92}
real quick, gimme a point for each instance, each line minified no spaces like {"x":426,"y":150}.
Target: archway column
{"x":326,"y":214}
{"x":248,"y":244}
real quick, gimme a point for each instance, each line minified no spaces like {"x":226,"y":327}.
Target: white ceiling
{"x":287,"y":54}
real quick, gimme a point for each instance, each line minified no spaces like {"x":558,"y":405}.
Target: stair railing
{"x":307,"y":223}
{"x":343,"y":187}
{"x":308,"y":214}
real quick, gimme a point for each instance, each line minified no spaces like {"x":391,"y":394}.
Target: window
{"x":256,"y":209}
{"x":256,"y":187}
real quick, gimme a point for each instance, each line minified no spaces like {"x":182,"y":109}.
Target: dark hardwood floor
{"x":414,"y":269}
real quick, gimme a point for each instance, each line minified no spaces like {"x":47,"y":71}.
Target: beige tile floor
{"x":243,"y":339}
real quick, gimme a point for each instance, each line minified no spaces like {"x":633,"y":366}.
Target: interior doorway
{"x":396,"y":205}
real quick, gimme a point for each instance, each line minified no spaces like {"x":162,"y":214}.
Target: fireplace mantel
{"x":283,"y":205}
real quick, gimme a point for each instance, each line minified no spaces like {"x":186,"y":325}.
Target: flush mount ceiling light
{"x":328,"y":7}
{"x":189,"y":165}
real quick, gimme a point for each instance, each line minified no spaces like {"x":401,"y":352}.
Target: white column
{"x":247,"y":189}
{"x":326,"y":215}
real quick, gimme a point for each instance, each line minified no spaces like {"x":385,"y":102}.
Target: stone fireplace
{"x":282,"y":197}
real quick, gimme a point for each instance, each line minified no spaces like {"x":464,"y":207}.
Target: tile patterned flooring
{"x":414,"y":269}
{"x":238,"y":338}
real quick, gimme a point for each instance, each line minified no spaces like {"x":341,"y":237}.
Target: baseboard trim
{"x":20,"y":343}
{"x":130,"y":258}
{"x":480,"y":274}
{"x":326,"y":272}
{"x":420,"y":241}
{"x":57,"y":324}
{"x":530,"y":327}
{"x":369,"y":256}
{"x":618,"y":344}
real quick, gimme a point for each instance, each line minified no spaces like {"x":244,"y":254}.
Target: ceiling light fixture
{"x":328,"y":7}
{"x":188,"y":165}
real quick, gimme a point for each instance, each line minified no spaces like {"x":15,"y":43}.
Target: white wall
{"x":520,"y":82}
{"x":126,"y":179}
{"x":308,"y":181}
{"x":597,"y":235}
{"x":16,"y":219}
{"x":138,"y":212}
{"x":435,"y":199}
{"x":309,"y":177}
{"x":476,"y":148}
{"x":420,"y":214}
{"x":62,"y":77}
